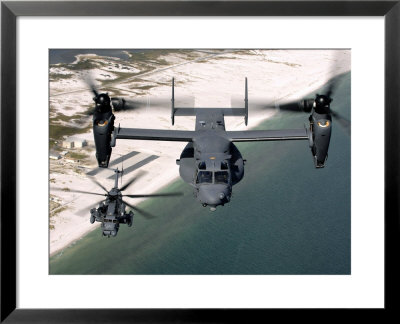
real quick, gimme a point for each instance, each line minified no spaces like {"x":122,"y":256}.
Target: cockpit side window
{"x":202,"y":165}
{"x":204,"y":177}
{"x":221,"y":177}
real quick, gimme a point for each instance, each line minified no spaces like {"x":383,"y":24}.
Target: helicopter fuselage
{"x":111,"y":213}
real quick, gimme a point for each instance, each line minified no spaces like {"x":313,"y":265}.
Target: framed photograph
{"x":243,"y":209}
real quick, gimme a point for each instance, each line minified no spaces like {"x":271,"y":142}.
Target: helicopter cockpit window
{"x":204,"y":177}
{"x":202,"y":165}
{"x":224,"y":165}
{"x":221,"y":177}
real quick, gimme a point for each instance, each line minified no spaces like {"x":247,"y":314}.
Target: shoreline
{"x":95,"y":226}
{"x":70,"y":228}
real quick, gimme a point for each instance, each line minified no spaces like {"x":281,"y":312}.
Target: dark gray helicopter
{"x":111,"y":212}
{"x":211,"y":162}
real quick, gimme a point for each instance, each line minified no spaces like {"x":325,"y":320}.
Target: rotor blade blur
{"x":86,"y":210}
{"x":291,"y":106}
{"x":79,"y":191}
{"x":334,"y":81}
{"x":89,"y":112}
{"x":141,"y":211}
{"x":91,"y":84}
{"x":99,"y":184}
{"x":126,"y":185}
{"x":259,"y":105}
{"x":345,"y":123}
{"x":255,"y":105}
{"x":171,"y":194}
{"x":148,"y":102}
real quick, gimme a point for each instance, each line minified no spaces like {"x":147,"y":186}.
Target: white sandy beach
{"x":212,"y":81}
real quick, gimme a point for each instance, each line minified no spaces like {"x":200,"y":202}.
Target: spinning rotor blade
{"x":121,"y":104}
{"x":90,"y":83}
{"x":139,"y":175}
{"x":331,"y":88}
{"x":171,"y":194}
{"x":345,"y":123}
{"x":259,"y":105}
{"x":86,"y":210}
{"x":99,"y":184}
{"x":88,"y":193}
{"x":141,"y":211}
{"x":80,"y":191}
{"x":335,"y":67}
{"x":147,"y":102}
{"x":88,"y":79}
{"x":291,"y":106}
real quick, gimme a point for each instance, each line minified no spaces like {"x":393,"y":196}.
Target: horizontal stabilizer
{"x":223,"y":111}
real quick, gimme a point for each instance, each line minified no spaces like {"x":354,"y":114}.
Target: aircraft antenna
{"x":173,"y":103}
{"x":122,"y":171}
{"x":246,"y":103}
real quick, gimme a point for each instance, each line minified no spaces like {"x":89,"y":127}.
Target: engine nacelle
{"x":306,"y":105}
{"x":103,"y":125}
{"x":118,"y":103}
{"x":321,"y":128}
{"x":237,"y":165}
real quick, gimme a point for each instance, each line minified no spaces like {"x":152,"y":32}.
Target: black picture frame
{"x":11,"y":10}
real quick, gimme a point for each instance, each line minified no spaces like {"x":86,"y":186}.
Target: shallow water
{"x":69,"y":55}
{"x":285,"y":217}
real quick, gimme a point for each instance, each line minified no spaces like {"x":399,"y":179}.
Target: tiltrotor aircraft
{"x":111,"y":212}
{"x":211,"y":162}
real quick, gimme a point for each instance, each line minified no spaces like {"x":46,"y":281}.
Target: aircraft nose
{"x":213,"y":195}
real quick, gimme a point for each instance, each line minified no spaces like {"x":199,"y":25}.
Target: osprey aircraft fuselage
{"x":211,"y":162}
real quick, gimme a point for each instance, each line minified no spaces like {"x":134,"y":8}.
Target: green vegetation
{"x":53,"y":205}
{"x":59,"y":76}
{"x":113,"y":92}
{"x":145,"y":87}
{"x":223,"y":57}
{"x":83,"y":65}
{"x":285,"y":63}
{"x":121,"y":76}
{"x":245,"y":52}
{"x":152,"y":55}
{"x":77,"y":156}
{"x":56,"y":132}
{"x":65,"y":118}
{"x":55,"y":209}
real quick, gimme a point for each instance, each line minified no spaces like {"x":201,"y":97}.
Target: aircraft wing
{"x":268,"y":135}
{"x":154,"y":134}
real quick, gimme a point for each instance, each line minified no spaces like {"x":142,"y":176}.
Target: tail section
{"x":184,"y":111}
{"x":246,"y":103}
{"x":173,"y":103}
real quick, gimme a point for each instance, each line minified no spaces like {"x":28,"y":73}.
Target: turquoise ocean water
{"x":285,"y":217}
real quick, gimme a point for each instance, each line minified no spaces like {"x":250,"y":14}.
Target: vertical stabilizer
{"x":173,"y":103}
{"x":246,"y":103}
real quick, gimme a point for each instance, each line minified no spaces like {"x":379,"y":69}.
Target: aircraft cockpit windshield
{"x":204,"y":177}
{"x":221,"y":177}
{"x":207,"y":177}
